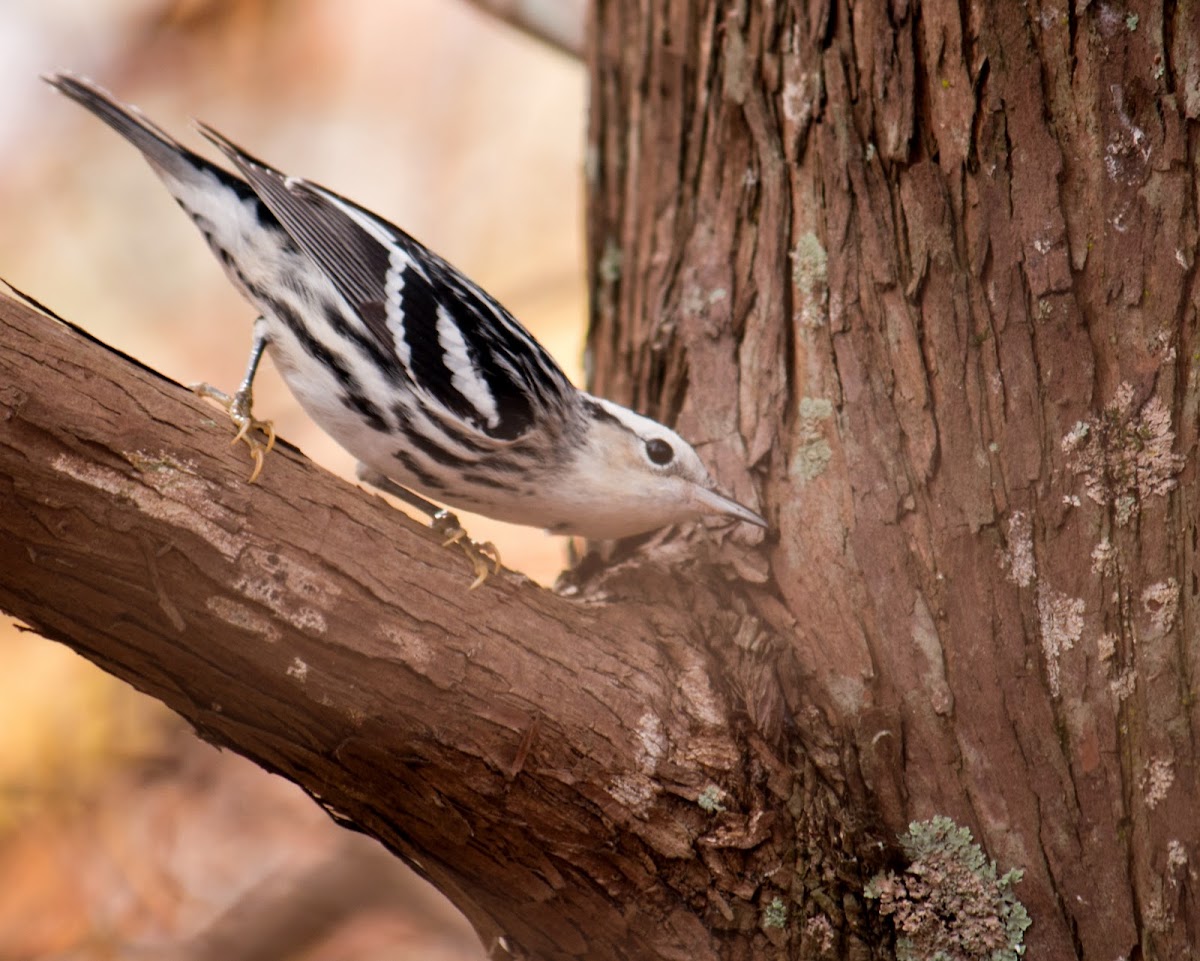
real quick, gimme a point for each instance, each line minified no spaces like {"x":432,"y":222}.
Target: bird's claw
{"x":239,"y":408}
{"x":479,"y":554}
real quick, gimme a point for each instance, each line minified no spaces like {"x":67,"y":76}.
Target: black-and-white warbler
{"x":423,"y":377}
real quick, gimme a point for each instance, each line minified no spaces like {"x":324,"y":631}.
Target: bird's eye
{"x":659,"y":451}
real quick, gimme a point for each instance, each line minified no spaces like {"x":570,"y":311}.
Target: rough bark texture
{"x":938,"y":260}
{"x":542,"y":761}
{"x":920,"y":280}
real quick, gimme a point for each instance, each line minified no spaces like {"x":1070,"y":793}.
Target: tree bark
{"x":541,"y":761}
{"x":924,"y":274}
{"x":920,"y":281}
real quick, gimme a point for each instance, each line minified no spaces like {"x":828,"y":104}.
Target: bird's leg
{"x":239,"y":405}
{"x":479,"y":554}
{"x":443,"y":521}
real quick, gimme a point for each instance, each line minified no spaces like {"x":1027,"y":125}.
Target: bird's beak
{"x":711,"y":502}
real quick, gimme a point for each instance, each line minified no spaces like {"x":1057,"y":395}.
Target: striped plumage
{"x":411,"y":367}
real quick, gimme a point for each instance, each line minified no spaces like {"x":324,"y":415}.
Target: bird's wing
{"x":460,"y":348}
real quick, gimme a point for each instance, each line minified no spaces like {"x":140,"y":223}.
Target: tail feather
{"x":238,"y":227}
{"x":159,"y":148}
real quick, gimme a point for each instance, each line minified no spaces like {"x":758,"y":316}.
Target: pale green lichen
{"x":1131,"y":22}
{"x":810,"y":276}
{"x":813,"y":453}
{"x":948,"y":904}
{"x":710,"y":799}
{"x":609,"y":266}
{"x":775,"y":914}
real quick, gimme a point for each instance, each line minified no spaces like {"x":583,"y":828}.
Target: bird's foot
{"x":446,"y":524}
{"x":238,"y":405}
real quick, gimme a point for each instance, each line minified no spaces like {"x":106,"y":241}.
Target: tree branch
{"x":538,"y":760}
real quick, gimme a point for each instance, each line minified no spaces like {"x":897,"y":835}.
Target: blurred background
{"x":122,"y":835}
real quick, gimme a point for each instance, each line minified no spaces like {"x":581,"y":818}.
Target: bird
{"x":435,"y":389}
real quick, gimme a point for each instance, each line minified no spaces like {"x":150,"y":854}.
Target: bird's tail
{"x":162,"y":151}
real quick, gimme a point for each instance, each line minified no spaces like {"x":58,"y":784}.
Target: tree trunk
{"x":924,"y":274}
{"x":919,"y":281}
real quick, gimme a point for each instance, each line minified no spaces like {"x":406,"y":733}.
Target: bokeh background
{"x":121,"y":834}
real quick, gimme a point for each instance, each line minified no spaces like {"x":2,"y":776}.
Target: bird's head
{"x":633,"y":475}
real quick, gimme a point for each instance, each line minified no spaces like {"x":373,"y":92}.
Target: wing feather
{"x":460,"y":348}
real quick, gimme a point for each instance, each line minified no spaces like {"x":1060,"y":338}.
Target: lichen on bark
{"x":948,"y":904}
